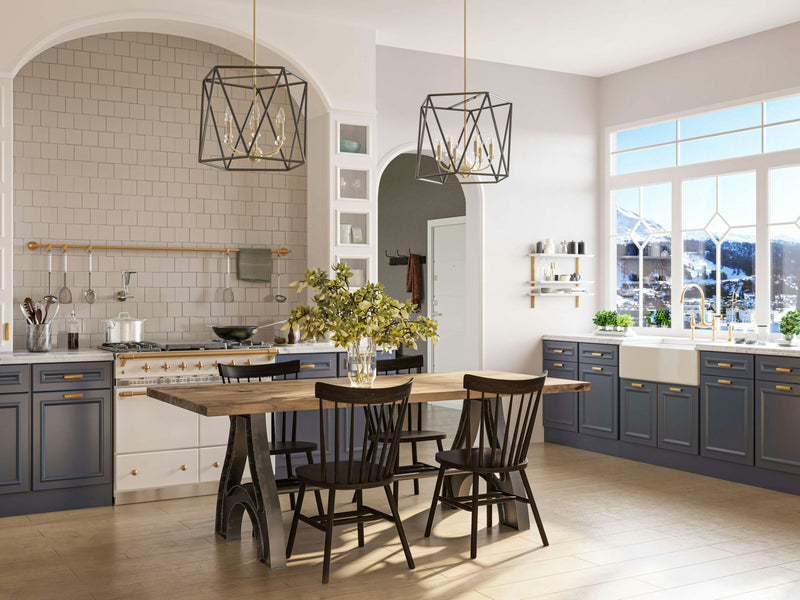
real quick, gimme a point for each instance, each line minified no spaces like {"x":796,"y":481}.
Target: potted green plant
{"x":790,"y":325}
{"x":360,"y":320}
{"x":606,"y":320}
{"x":623,"y":322}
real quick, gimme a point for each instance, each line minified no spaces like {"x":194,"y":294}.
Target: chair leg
{"x":435,"y":501}
{"x":295,"y":519}
{"x":473,"y":542}
{"x":359,"y":505}
{"x":291,"y":500}
{"x":413,"y":462}
{"x":326,"y":564}
{"x":489,"y":486}
{"x":399,"y":525}
{"x":396,"y":491}
{"x":317,"y":495}
{"x":536,"y":516}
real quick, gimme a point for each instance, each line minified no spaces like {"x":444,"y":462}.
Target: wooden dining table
{"x":247,"y":405}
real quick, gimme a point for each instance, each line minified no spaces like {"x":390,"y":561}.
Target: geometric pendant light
{"x":237,"y":132}
{"x":467,"y":133}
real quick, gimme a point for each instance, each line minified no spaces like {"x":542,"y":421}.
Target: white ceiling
{"x":587,"y":37}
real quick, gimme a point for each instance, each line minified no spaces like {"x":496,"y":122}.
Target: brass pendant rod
{"x":36,"y":245}
{"x":254,"y":55}
{"x":465,"y":75}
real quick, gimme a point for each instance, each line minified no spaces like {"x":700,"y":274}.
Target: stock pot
{"x":123,"y":328}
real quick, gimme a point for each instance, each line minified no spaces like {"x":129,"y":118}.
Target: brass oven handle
{"x":782,"y":370}
{"x":637,"y":385}
{"x":672,"y":389}
{"x":724,"y":381}
{"x":7,"y":331}
{"x":139,"y":393}
{"x":75,"y":376}
{"x":784,"y":388}
{"x":73,"y":395}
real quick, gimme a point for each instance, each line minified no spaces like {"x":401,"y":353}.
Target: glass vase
{"x":361,"y":359}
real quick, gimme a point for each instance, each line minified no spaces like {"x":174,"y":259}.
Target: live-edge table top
{"x":221,"y":399}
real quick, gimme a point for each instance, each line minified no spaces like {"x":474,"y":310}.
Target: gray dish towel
{"x":255,"y":264}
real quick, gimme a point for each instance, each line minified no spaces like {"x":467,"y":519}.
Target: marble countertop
{"x":769,"y":348}
{"x":54,"y":356}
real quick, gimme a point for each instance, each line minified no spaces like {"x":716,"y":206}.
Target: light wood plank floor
{"x":617,"y":529}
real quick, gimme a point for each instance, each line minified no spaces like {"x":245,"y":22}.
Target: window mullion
{"x":676,"y":261}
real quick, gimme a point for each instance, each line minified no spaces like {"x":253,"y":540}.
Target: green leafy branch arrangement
{"x":349,"y":315}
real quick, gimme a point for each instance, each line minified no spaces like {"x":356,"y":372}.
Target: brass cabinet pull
{"x":672,"y":389}
{"x":597,"y":354}
{"x":308,"y":366}
{"x":73,"y":395}
{"x":597,"y":368}
{"x":782,"y":370}
{"x":8,"y":329}
{"x":726,"y":365}
{"x":558,"y":364}
{"x":783,"y":388}
{"x":638,"y":385}
{"x":556,"y":351}
{"x":184,"y":467}
{"x":134,"y":472}
{"x":216,"y":464}
{"x":139,"y":393}
{"x":75,"y":376}
{"x":725,"y":381}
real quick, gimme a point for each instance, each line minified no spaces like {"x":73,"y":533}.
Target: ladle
{"x":227,"y":293}
{"x":65,"y":294}
{"x":279,"y":298}
{"x":50,"y":296}
{"x":89,"y":294}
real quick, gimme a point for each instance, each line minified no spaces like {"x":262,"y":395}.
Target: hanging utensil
{"x":49,"y":276}
{"x":279,"y":298}
{"x":89,"y":293}
{"x":227,"y":293}
{"x":65,"y":294}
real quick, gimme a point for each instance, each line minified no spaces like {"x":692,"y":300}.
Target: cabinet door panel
{"x":71,"y":439}
{"x":560,"y":411}
{"x":71,"y":376}
{"x":726,"y":419}
{"x":638,"y":412}
{"x":777,"y":419}
{"x":144,"y":424}
{"x":156,"y":469}
{"x":14,"y":443}
{"x":214,"y":431}
{"x":598,"y":408}
{"x":678,"y":418}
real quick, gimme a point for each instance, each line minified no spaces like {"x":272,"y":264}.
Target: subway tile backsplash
{"x":105,"y":151}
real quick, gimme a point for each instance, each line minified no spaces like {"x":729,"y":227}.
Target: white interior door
{"x":447,"y":292}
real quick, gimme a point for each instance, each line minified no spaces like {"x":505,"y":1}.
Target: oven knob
{"x":165,"y":366}
{"x":248,"y":362}
{"x":146,"y":367}
{"x":134,"y":472}
{"x":215,"y":365}
{"x":182,"y":366}
{"x":232,"y":363}
{"x":200,"y":365}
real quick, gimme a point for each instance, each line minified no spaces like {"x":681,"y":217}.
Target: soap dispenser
{"x":73,"y":331}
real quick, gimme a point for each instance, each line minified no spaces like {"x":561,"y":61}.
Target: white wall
{"x":551,"y":191}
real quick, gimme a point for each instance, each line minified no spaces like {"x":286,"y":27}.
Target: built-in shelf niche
{"x":353,"y":228}
{"x":359,"y":267}
{"x":353,"y":184}
{"x":353,"y":139}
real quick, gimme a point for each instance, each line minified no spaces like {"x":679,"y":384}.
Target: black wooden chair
{"x":411,"y":435}
{"x":284,"y":424}
{"x":360,"y":460}
{"x":500,"y":447}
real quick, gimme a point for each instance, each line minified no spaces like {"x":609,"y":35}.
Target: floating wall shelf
{"x":538,"y":284}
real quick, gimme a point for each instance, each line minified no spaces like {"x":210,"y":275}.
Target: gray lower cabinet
{"x":598,"y":408}
{"x":638,"y":411}
{"x":560,"y":411}
{"x":678,"y":418}
{"x":726,"y":419}
{"x":14,"y":443}
{"x":777,"y":421}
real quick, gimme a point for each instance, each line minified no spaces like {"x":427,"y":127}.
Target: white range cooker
{"x":161,"y":451}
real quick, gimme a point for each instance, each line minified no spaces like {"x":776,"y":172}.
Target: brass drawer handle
{"x":73,"y":395}
{"x":782,"y":370}
{"x":597,"y":354}
{"x":184,"y":467}
{"x":638,"y":385}
{"x":672,"y":389}
{"x":783,"y":388}
{"x":556,"y":351}
{"x":558,"y":364}
{"x":134,"y":472}
{"x":308,"y":366}
{"x":597,"y":368}
{"x":726,"y":365}
{"x":725,"y":381}
{"x":216,"y":464}
{"x":75,"y":376}
{"x":7,"y":329}
{"x":139,"y":393}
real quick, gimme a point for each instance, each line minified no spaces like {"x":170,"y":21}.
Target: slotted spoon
{"x":65,"y":294}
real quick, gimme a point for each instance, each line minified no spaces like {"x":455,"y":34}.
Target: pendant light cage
{"x":233,"y":138}
{"x":482,"y":123}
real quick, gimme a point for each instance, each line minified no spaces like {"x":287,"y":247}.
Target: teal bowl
{"x":349,"y":146}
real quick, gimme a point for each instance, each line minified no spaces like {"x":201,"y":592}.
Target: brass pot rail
{"x":36,"y":245}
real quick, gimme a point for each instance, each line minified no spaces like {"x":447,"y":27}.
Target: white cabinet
{"x":156,"y":469}
{"x":145,"y":424}
{"x":214,"y":430}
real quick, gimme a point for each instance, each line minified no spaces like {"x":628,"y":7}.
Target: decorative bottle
{"x":73,"y":331}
